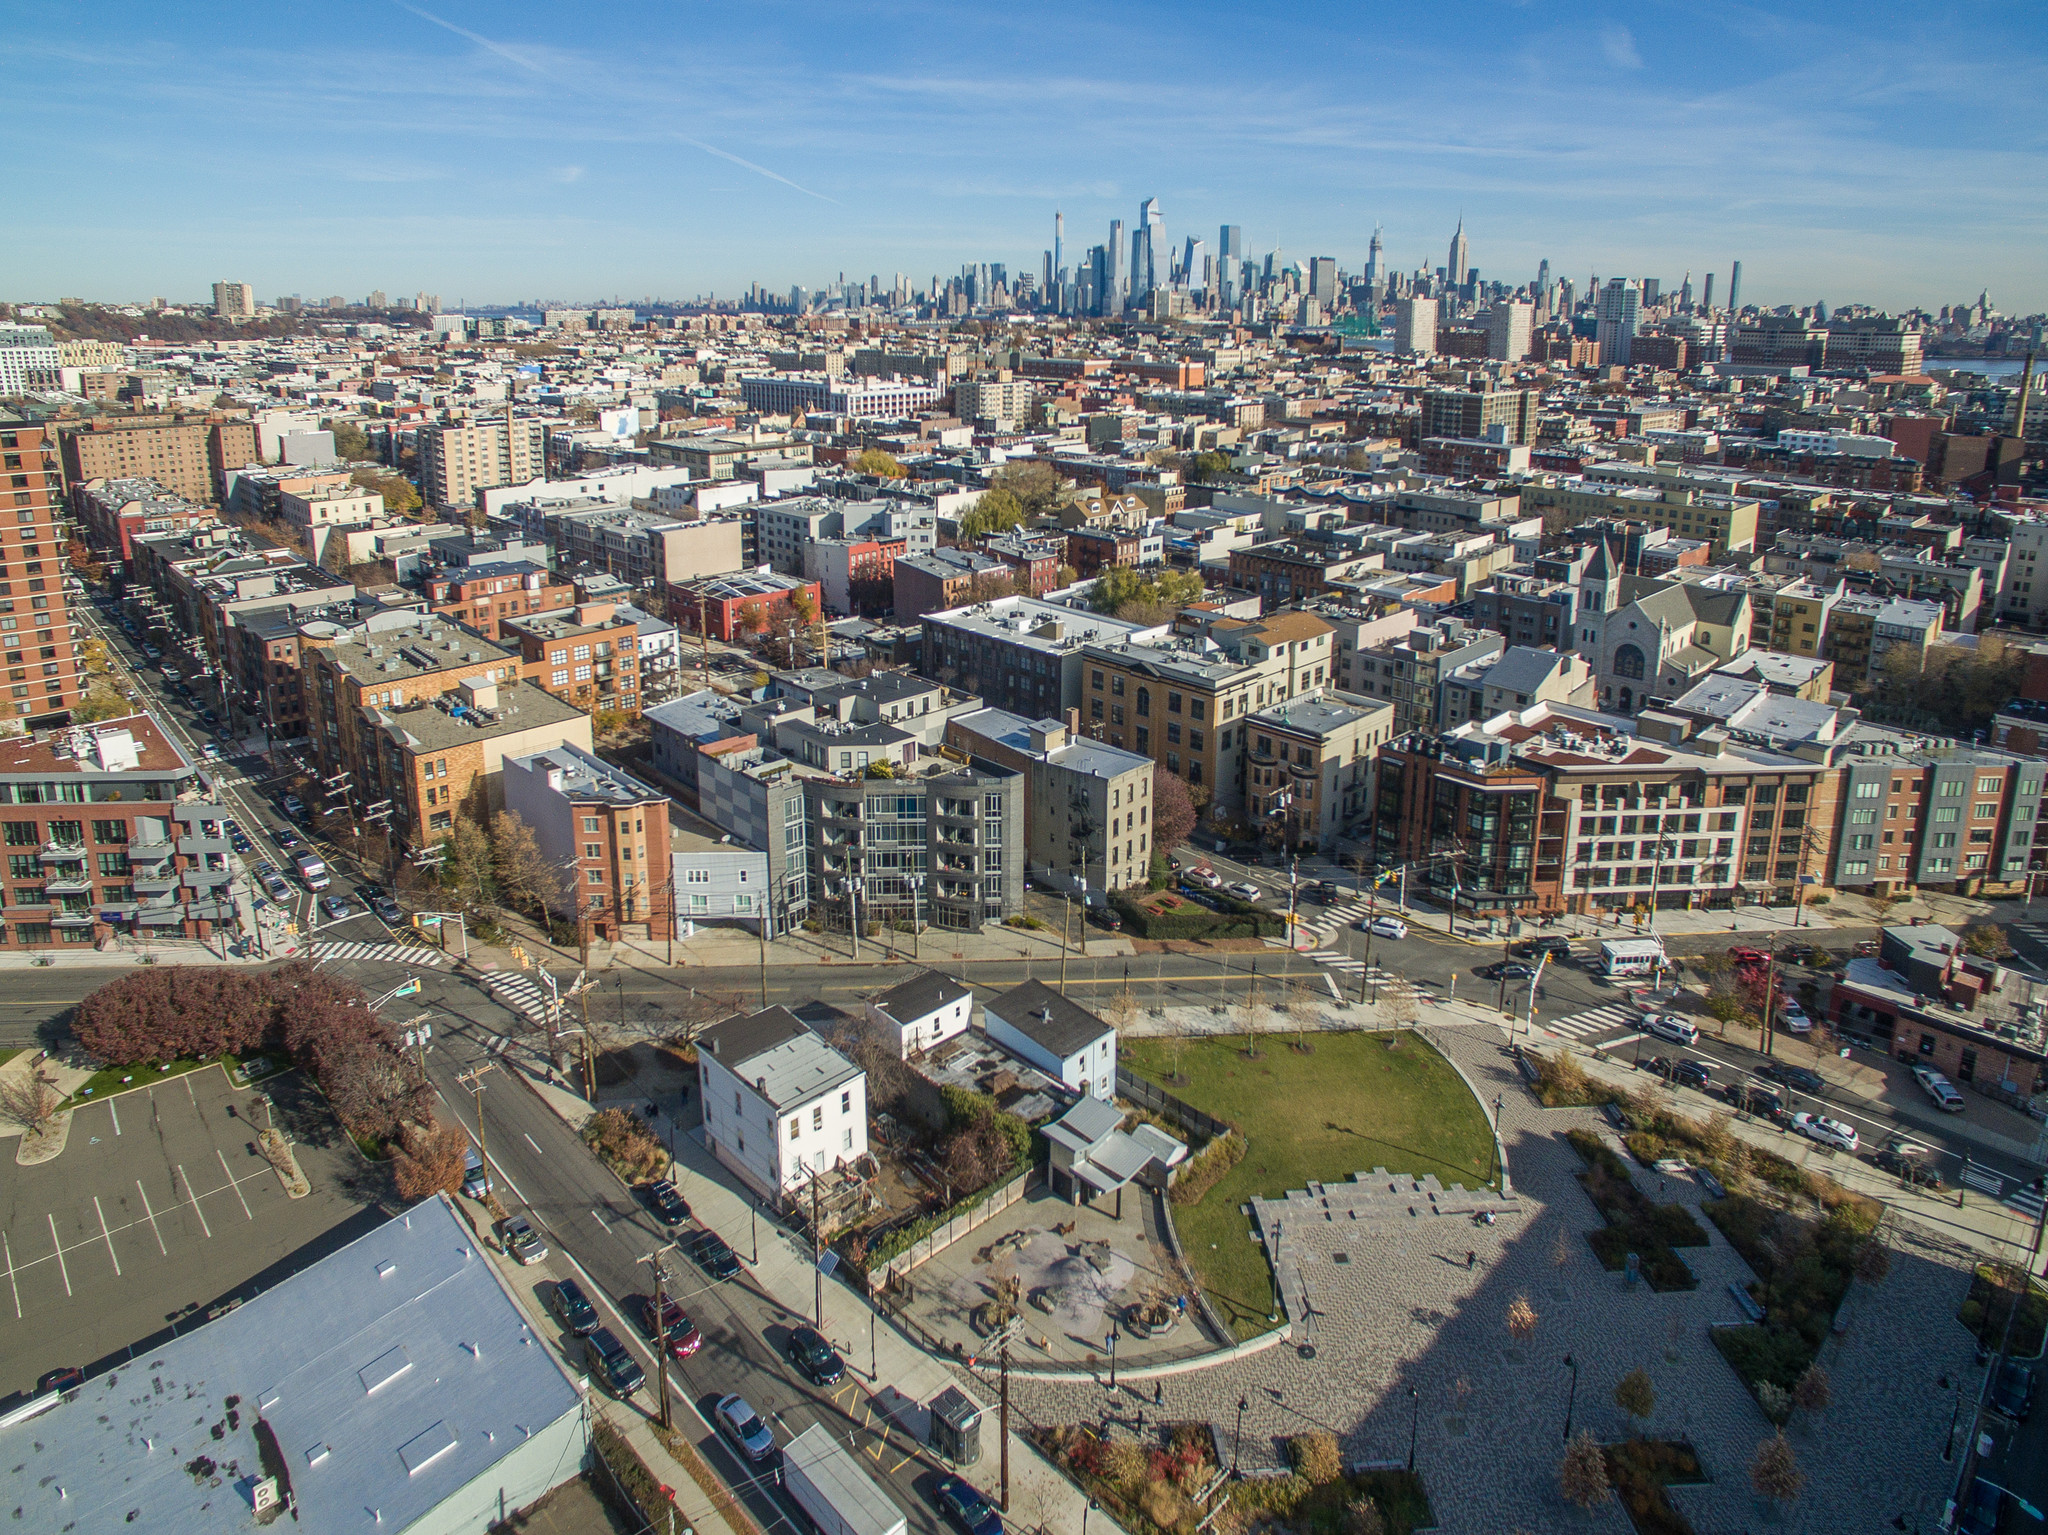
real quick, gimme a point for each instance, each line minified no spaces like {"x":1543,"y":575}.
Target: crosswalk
{"x":518,"y":991}
{"x":2026,"y":1202}
{"x":1380,"y":979}
{"x":1597,"y":1020}
{"x":388,"y":953}
{"x":2038,"y":931}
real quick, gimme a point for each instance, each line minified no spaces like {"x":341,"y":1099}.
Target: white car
{"x":1939,"y":1088}
{"x":1244,"y":890}
{"x":1670,"y":1026}
{"x":1792,"y":1017}
{"x":1207,"y":877}
{"x":1386,"y":927}
{"x":1829,"y":1132}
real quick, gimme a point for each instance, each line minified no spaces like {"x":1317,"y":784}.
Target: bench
{"x":1710,"y":1183}
{"x":1528,"y":1069}
{"x":1746,"y":1303}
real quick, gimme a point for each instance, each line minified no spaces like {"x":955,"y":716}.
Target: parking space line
{"x":231,"y":1181}
{"x":534,"y":1144}
{"x":108,"y":1235}
{"x":152,"y":1218}
{"x":114,"y":1110}
{"x":8,"y":1248}
{"x":62,"y":1267}
{"x":187,"y":1180}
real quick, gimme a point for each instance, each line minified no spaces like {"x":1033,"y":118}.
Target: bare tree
{"x":1250,"y":1013}
{"x":1774,"y":1471}
{"x":29,"y":1099}
{"x":1582,"y":1476}
{"x":1397,"y":1008}
{"x":525,"y":874}
{"x":1176,"y":1037}
{"x":1121,"y":1010}
{"x":1302,"y":1010}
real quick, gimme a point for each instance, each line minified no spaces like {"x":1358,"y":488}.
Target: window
{"x":1987,"y":811}
{"x":594,"y":876}
{"x":592,"y":823}
{"x":697,"y":877}
{"x":1950,"y":788}
{"x":583,"y":652}
{"x":110,"y":833}
{"x":846,"y":1101}
{"x":1869,"y":790}
{"x":796,"y":1127}
{"x":1990,"y":785}
{"x":582,"y":674}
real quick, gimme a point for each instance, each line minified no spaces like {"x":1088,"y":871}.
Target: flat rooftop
{"x":420,"y":649}
{"x":386,"y":1377}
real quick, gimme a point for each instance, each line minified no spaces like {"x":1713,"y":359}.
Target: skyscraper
{"x":1734,"y":289}
{"x":1113,"y":290}
{"x":1543,"y":275}
{"x":1322,"y":278}
{"x":1707,"y":295}
{"x":1059,"y":244}
{"x":1507,"y":331}
{"x":234,"y":301}
{"x":1461,"y":254}
{"x":1619,"y":310}
{"x":1151,"y":243}
{"x":1373,"y":258}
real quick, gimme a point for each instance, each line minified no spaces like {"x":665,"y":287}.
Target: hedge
{"x":1205,"y":1169}
{"x":903,"y":1238}
{"x":1238,"y":919}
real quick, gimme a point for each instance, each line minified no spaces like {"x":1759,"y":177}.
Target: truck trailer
{"x":828,"y":1484}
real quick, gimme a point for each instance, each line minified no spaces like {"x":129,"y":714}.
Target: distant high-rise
{"x":1734,"y":289}
{"x":1685,"y":294}
{"x":1543,"y":275}
{"x":1322,"y":278}
{"x":1461,"y":254}
{"x":1620,"y":309}
{"x":1507,"y":331}
{"x":1113,"y":292}
{"x":1374,"y":257}
{"x":1707,"y":295}
{"x":1653,"y":289}
{"x":234,"y":301}
{"x":1148,"y":244}
{"x":1415,"y":326}
{"x":1230,"y":243}
{"x":1059,"y":244}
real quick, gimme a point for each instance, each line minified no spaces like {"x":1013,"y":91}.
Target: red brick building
{"x":738,"y":608}
{"x":484,"y":596}
{"x":45,"y":677}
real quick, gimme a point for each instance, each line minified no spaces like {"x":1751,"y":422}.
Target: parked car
{"x":743,"y":1426}
{"x":1792,"y":1017}
{"x":1938,"y":1087}
{"x":573,"y":1307}
{"x":476,"y":1178}
{"x":816,"y":1359}
{"x":709,"y":1252}
{"x":1754,"y":1098}
{"x":521,"y":1240}
{"x":386,"y":908}
{"x":1105,"y":918}
{"x":1895,"y":1158}
{"x":609,"y":1361}
{"x":1244,"y":890}
{"x":294,"y":806}
{"x":1982,"y":1506}
{"x":209,"y":751}
{"x":1206,"y":876}
{"x":67,"y":1378}
{"x":1798,"y":1078}
{"x":288,"y":839}
{"x":1672,"y":1027}
{"x":240,"y":843}
{"x":2013,"y":1394}
{"x":1692,"y":1074}
{"x":1829,"y":1132}
{"x":1386,"y":927}
{"x":966,"y":1508}
{"x":666,"y":1202}
{"x":683,"y":1337}
{"x":337,"y":908}
{"x":275,"y":887}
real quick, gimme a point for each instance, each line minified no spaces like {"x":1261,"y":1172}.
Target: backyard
{"x":1358,"y":1101}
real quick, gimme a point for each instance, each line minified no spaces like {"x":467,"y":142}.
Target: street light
{"x":1110,"y":1344}
{"x":1237,"y":1442}
{"x":1414,"y":1425}
{"x":1572,"y":1399}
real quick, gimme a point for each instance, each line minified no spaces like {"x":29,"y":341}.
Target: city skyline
{"x":481,"y":155}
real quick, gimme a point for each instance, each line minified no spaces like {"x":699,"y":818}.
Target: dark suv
{"x":708,"y":1250}
{"x":574,"y":1308}
{"x":1797,"y":1077}
{"x":608,"y":1359}
{"x":1556,"y":947}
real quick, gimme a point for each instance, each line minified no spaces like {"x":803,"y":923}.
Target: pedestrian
{"x":1471,"y":1259}
{"x":1159,"y":1393}
{"x":1660,"y":1186}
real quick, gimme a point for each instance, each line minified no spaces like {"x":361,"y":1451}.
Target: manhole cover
{"x":1307,"y":1351}
{"x":1341,"y":1257}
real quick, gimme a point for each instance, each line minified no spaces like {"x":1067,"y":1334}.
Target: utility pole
{"x":1003,"y":1428}
{"x":1770,"y":998}
{"x":473,"y":1080}
{"x":653,"y":1260}
{"x":817,"y":1254}
{"x":589,"y":1060}
{"x":703,"y":641}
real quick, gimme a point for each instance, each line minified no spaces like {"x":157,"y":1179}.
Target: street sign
{"x":409,"y":987}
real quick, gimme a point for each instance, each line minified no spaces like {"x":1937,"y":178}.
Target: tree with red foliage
{"x":167,"y":1014}
{"x":1173,"y":810}
{"x":430,"y":1160}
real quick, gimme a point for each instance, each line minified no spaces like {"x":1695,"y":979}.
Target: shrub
{"x":1774,"y":1472}
{"x":1205,"y":1169}
{"x":1636,"y":1395}
{"x":1315,"y":1457}
{"x":1122,"y":1462}
{"x":1236,"y":919}
{"x":430,"y":1159}
{"x":1561,"y":1082}
{"x":1362,"y":1517}
{"x":1582,"y":1475}
{"x":626,"y":1143}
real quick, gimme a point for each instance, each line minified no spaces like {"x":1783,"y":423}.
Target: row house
{"x":111,"y":514}
{"x":485,"y":596}
{"x":588,"y":655}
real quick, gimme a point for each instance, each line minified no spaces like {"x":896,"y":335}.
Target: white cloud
{"x":566,"y":174}
{"x":1619,"y":45}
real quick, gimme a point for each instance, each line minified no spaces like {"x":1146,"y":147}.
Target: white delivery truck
{"x":832,"y":1490}
{"x":312,"y":870}
{"x":1620,"y":957}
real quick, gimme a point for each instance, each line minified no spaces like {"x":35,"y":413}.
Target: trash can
{"x":956,"y":1427}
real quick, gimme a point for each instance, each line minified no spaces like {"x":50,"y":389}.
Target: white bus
{"x":1620,"y":957}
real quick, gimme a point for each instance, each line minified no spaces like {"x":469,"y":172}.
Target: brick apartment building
{"x":588,"y":655}
{"x":738,"y":608}
{"x":112,"y":513}
{"x":189,"y":455}
{"x":605,"y":832}
{"x":485,"y":596}
{"x":45,"y":677}
{"x":108,"y":829}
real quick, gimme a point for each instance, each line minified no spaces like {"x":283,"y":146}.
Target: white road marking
{"x":8,"y":1248}
{"x":183,"y":1175}
{"x":108,"y":1235}
{"x":62,"y":1267}
{"x":116,"y":1112}
{"x":231,"y":1181}
{"x":534,"y":1144}
{"x":152,"y":1218}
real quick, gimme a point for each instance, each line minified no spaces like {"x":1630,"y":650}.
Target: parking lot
{"x":160,"y":1208}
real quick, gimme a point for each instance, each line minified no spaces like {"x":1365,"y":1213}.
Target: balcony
{"x":79,"y":883}
{"x":72,"y":919}
{"x":150,"y":845}
{"x":202,"y":879}
{"x":64,"y":852}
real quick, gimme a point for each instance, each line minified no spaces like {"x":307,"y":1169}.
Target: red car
{"x":683,"y":1337}
{"x":1744,"y":957}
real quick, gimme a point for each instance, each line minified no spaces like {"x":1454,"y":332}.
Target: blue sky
{"x":1883,"y":153}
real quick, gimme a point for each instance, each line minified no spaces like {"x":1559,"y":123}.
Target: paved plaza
{"x":1393,"y":1303}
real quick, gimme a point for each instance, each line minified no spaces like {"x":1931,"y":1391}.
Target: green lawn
{"x":1351,"y":1106}
{"x":120,"y":1079}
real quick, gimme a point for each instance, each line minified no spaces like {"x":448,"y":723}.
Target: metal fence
{"x":1148,"y":1095}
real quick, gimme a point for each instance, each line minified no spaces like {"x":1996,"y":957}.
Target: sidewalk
{"x":1983,"y":1223}
{"x":781,"y":1269}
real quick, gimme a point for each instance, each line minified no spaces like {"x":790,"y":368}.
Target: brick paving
{"x":1393,"y":1305}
